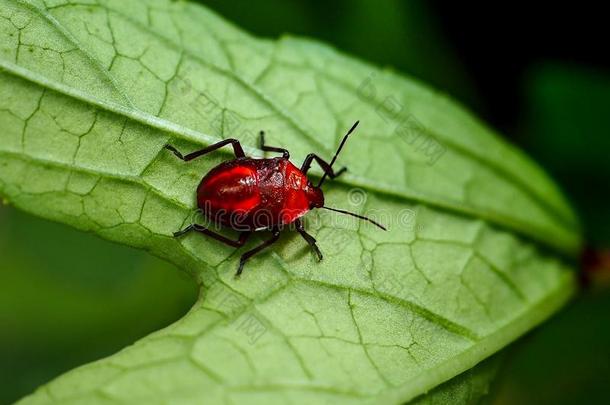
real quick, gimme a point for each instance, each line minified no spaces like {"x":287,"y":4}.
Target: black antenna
{"x":356,"y":215}
{"x":338,"y":150}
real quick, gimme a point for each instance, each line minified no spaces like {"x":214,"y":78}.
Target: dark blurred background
{"x":540,"y":75}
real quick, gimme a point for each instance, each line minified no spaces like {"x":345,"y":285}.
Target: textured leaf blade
{"x":91,"y":93}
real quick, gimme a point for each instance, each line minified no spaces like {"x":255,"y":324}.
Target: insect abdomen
{"x":230,"y":188}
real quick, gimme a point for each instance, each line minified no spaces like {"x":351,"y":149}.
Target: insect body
{"x":248,"y":194}
{"x":259,"y":193}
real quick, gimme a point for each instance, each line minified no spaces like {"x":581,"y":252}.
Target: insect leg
{"x":323,"y":164}
{"x":243,"y":237}
{"x":239,"y":152}
{"x":284,"y":152}
{"x":250,"y":253}
{"x":308,"y":238}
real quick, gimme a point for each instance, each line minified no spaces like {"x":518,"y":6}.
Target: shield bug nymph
{"x":252,"y":194}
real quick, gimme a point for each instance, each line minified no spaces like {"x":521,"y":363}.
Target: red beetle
{"x":248,"y":194}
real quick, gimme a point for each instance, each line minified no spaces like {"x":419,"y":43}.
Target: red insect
{"x":248,"y":194}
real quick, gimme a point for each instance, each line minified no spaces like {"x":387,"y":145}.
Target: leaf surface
{"x":91,"y":92}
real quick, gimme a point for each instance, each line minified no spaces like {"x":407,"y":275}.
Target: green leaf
{"x":478,"y":234}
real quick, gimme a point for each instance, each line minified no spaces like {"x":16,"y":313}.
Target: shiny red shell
{"x":252,"y":194}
